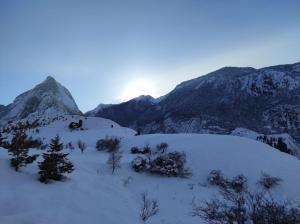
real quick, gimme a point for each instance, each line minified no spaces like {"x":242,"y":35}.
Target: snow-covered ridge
{"x":286,"y":138}
{"x":268,"y":82}
{"x":46,"y":99}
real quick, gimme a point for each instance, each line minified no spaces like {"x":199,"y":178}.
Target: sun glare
{"x":137,"y":88}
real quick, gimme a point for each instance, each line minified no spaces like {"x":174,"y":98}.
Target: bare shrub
{"x":239,"y":206}
{"x":162,"y":147}
{"x":109,"y":144}
{"x":127,"y":181}
{"x":81,"y":145}
{"x":216,"y":178}
{"x":149,"y":207}
{"x":268,"y":182}
{"x":239,"y":183}
{"x":70,"y":146}
{"x":114,"y":160}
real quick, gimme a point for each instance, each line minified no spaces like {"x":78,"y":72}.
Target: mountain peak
{"x":47,"y":98}
{"x":144,"y":98}
{"x":50,"y":80}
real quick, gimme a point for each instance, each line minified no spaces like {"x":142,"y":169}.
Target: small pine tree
{"x":18,"y":149}
{"x":114,"y":160}
{"x":55,"y":163}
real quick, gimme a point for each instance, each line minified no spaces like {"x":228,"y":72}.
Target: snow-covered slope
{"x":46,"y":99}
{"x":92,"y":195}
{"x":291,"y":144}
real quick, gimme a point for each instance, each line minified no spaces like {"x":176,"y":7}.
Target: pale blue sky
{"x":107,"y":51}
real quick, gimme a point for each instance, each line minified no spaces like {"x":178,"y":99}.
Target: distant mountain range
{"x":47,"y":98}
{"x":265,"y":100}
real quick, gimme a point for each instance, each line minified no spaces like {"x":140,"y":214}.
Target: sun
{"x":136,"y":88}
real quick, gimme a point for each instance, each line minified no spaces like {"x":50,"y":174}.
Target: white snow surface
{"x":92,"y":195}
{"x":291,"y":143}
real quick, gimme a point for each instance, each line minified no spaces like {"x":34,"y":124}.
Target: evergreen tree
{"x":55,"y":163}
{"x":18,"y":149}
{"x":282,"y":146}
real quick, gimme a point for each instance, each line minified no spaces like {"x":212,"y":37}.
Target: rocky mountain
{"x":48,"y":98}
{"x":265,"y":100}
{"x":124,"y":113}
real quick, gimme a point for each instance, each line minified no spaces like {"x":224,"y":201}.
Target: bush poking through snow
{"x":109,"y":144}
{"x":162,"y":147}
{"x":239,"y":183}
{"x":149,"y":207}
{"x":171,"y":164}
{"x":216,"y":178}
{"x":268,"y":182}
{"x":137,"y":150}
{"x":238,"y":205}
{"x":18,"y":149}
{"x":55,"y":163}
{"x":139,"y":164}
{"x":70,"y":146}
{"x":81,"y":145}
{"x":114,"y":160}
{"x":243,"y":207}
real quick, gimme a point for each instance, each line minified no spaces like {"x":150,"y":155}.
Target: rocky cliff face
{"x":264,"y":100}
{"x":48,"y":98}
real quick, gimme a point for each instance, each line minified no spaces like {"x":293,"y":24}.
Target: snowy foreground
{"x":92,"y":195}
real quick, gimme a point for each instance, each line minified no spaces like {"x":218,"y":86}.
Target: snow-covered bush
{"x":139,"y":164}
{"x":239,"y":183}
{"x":268,"y":182}
{"x":166,"y":164}
{"x":137,"y":150}
{"x":109,"y":144}
{"x":171,"y":164}
{"x":75,"y":125}
{"x":216,"y":178}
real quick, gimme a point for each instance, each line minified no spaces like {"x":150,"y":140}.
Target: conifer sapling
{"x":18,"y":149}
{"x":55,"y":163}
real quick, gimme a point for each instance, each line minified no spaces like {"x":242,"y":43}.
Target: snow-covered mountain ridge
{"x":264,"y":100}
{"x":46,"y":99}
